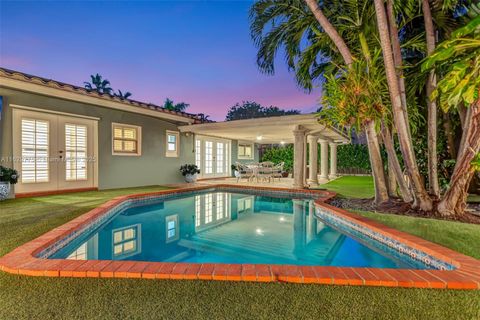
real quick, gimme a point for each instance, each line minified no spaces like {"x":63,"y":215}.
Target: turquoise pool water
{"x":225,"y":227}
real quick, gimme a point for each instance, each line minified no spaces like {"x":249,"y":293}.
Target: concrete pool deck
{"x":466,"y":275}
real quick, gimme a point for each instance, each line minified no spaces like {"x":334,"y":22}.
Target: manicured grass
{"x":64,"y":298}
{"x":352,"y":186}
{"x":462,"y":237}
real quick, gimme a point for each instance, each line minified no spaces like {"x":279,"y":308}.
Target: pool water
{"x":225,"y":227}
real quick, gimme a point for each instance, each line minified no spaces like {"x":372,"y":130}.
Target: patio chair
{"x":243,"y":171}
{"x":277,"y":171}
{"x":265,"y":171}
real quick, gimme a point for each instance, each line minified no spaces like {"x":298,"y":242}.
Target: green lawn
{"x":63,"y":298}
{"x":352,"y":186}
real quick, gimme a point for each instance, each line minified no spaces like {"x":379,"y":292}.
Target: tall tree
{"x":251,"y":109}
{"x":431,"y":104}
{"x":98,"y":84}
{"x":460,"y":86}
{"x":278,"y":23}
{"x":422,"y":198}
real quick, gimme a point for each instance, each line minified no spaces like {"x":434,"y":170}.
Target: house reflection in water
{"x":216,"y":227}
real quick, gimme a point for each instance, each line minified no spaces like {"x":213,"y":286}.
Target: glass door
{"x":54,"y":152}
{"x":75,"y":151}
{"x":212,"y":156}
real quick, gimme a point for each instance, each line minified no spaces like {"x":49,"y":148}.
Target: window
{"x":220,"y":205}
{"x":126,"y":241}
{"x":208,"y":157}
{"x":208,"y":208}
{"x":219,"y":158}
{"x":198,"y":153}
{"x":245,"y":205}
{"x":35,"y":163}
{"x":245,"y":150}
{"x":171,"y":225}
{"x":173,"y":138}
{"x":80,"y":253}
{"x":126,"y":139}
{"x":75,"y":152}
{"x":198,"y":210}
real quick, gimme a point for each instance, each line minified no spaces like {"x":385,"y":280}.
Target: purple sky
{"x":197,"y":52}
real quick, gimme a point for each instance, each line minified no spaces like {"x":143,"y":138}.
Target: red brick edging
{"x":22,"y":260}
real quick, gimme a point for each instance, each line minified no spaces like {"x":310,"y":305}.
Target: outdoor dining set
{"x":263,"y":171}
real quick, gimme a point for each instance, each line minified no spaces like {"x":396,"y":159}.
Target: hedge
{"x":352,"y":158}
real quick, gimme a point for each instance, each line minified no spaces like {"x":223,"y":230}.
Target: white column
{"x":298,"y":157}
{"x":323,"y":160}
{"x":313,"y":161}
{"x":333,"y":161}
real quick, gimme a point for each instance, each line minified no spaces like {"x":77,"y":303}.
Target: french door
{"x":212,"y":156}
{"x":53,"y":151}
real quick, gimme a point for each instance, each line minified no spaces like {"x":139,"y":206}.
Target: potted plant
{"x":7,"y":178}
{"x":190,"y":172}
{"x":235,"y":171}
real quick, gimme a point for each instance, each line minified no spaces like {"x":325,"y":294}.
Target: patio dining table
{"x":256,"y":170}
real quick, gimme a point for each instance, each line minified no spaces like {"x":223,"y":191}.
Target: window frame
{"x":138,"y":140}
{"x":137,"y":239}
{"x":175,"y":153}
{"x":249,"y":144}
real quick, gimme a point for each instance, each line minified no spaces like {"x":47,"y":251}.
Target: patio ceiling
{"x":268,"y":130}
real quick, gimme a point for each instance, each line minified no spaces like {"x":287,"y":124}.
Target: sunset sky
{"x":199,"y":52}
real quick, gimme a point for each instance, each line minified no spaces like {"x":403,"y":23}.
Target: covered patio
{"x":306,"y":132}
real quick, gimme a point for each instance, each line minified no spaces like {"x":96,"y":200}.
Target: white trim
{"x":139,"y":140}
{"x":251,"y":144}
{"x":176,"y":153}
{"x":16,"y":106}
{"x":67,"y":94}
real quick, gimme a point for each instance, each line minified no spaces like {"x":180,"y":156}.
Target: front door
{"x":212,"y":156}
{"x":53,"y":152}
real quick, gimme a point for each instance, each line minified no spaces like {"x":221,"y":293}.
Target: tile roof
{"x":80,"y":90}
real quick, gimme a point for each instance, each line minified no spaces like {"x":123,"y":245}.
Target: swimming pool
{"x":234,"y":233}
{"x":221,"y":226}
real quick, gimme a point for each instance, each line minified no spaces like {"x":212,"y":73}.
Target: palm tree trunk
{"x":330,"y":31}
{"x":391,"y":180}
{"x":401,"y":122}
{"x":381,"y":192}
{"x":449,"y":133}
{"x":431,"y":104}
{"x":397,"y":56}
{"x":454,"y":200}
{"x":395,"y":164}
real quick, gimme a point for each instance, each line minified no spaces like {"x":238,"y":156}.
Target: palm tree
{"x":460,"y":55}
{"x":98,"y":84}
{"x":402,"y":125}
{"x":285,"y":24}
{"x":123,"y":95}
{"x":178,"y":107}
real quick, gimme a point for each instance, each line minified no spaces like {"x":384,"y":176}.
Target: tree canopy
{"x":251,"y":109}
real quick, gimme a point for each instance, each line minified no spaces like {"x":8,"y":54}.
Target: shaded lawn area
{"x":24,"y":297}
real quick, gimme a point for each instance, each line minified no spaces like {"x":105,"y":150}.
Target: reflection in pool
{"x":223,"y":227}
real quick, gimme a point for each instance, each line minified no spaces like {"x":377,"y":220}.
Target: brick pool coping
{"x":23,"y":259}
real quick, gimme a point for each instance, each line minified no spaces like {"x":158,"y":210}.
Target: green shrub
{"x":350,"y":156}
{"x":279,"y":154}
{"x":353,"y":156}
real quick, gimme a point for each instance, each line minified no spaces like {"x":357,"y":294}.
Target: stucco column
{"x":313,"y":161}
{"x":333,"y":161}
{"x":298,"y":157}
{"x":323,"y":160}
